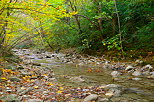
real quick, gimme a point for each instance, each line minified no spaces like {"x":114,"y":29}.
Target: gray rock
{"x":77,"y":79}
{"x":103,"y":100}
{"x":15,"y":79}
{"x":113,"y":90}
{"x":8,"y":89}
{"x":10,"y":67}
{"x":20,"y":67}
{"x":91,"y":97}
{"x":35,"y":100}
{"x":139,"y":61}
{"x":130,"y":67}
{"x":146,"y":73}
{"x":24,"y":72}
{"x":107,"y":66}
{"x":136,"y":79}
{"x":137,"y":73}
{"x":152,"y":73}
{"x":115,"y":74}
{"x":147,"y":68}
{"x":150,"y":77}
{"x":134,"y":90}
{"x":36,"y":64}
{"x":22,"y":92}
{"x":10,"y":98}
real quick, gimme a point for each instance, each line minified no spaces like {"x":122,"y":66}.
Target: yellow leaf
{"x":3,"y":78}
{"x":50,"y":84}
{"x":73,"y":13}
{"x":59,"y":92}
{"x":32,"y":80}
{"x":61,"y":88}
{"x":36,"y":87}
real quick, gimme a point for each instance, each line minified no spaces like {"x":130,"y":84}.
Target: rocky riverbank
{"x":49,"y":77}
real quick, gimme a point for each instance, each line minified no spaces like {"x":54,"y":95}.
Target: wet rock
{"x":15,"y":50}
{"x":48,"y":56}
{"x":15,"y":79}
{"x":24,"y":73}
{"x":10,"y":98}
{"x":20,"y":67}
{"x":36,"y":64}
{"x":113,"y":90}
{"x":139,"y":61}
{"x":127,"y":99}
{"x":91,"y":97}
{"x":146,"y":73}
{"x":115,"y":74}
{"x":77,"y":79}
{"x":150,"y":77}
{"x":24,"y":91}
{"x":129,"y":68}
{"x":136,"y":79}
{"x":147,"y":68}
{"x":103,"y":100}
{"x":137,"y":73}
{"x":11,"y":67}
{"x":40,"y":57}
{"x":134,"y":90}
{"x":35,"y":100}
{"x":152,"y":73}
{"x":8,"y":89}
{"x":107,"y":66}
{"x":81,"y":64}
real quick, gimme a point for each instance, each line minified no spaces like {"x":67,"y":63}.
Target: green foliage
{"x":89,"y":25}
{"x":113,"y":42}
{"x":144,"y":37}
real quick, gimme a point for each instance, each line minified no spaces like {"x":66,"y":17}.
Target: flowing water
{"x":143,"y":89}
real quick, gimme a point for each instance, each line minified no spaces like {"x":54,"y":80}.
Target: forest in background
{"x":90,"y":26}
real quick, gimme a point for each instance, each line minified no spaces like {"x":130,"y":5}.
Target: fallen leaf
{"x":59,"y":92}
{"x":36,"y":87}
{"x":3,"y":78}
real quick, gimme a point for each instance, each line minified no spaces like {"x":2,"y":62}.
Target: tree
{"x":25,"y":19}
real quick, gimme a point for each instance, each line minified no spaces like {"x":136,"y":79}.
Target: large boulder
{"x":113,"y":90}
{"x":91,"y":97}
{"x":137,"y":73}
{"x":147,"y":68}
{"x":129,"y":68}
